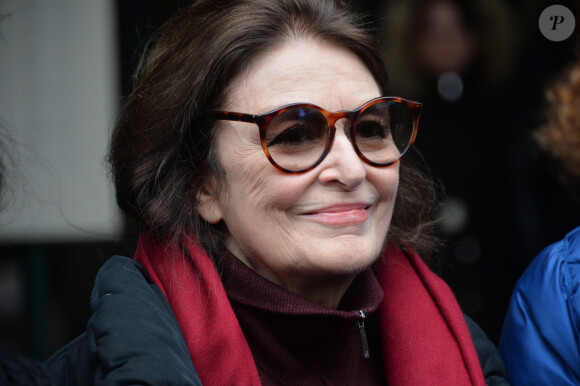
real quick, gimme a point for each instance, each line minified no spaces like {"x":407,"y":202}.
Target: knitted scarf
{"x":424,"y":337}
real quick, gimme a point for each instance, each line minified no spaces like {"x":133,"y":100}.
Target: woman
{"x":261,"y":161}
{"x":539,"y":340}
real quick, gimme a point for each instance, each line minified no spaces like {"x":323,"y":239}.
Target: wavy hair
{"x":559,"y":137}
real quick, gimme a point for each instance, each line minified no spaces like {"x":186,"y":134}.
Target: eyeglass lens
{"x":298,"y":137}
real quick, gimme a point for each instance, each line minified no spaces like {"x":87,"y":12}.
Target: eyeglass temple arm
{"x":231,"y":116}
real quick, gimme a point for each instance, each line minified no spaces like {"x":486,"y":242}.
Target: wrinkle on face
{"x":266,"y":210}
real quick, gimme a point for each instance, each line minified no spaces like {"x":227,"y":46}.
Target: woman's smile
{"x":341,"y":214}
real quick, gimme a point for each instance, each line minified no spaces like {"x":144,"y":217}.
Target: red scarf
{"x":423,"y":333}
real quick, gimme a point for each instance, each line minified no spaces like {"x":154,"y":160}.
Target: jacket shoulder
{"x":489,"y":357}
{"x":539,"y":341}
{"x":132,"y":335}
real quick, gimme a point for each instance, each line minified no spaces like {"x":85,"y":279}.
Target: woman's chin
{"x":345,"y":263}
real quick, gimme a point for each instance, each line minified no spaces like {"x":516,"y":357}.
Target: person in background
{"x":540,"y":340}
{"x":285,"y":227}
{"x":446,"y":50}
{"x":445,"y":54}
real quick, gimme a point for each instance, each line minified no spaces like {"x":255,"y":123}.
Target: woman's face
{"x":310,"y":233}
{"x":445,"y":43}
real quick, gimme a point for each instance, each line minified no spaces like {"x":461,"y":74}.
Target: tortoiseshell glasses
{"x":297,"y":137}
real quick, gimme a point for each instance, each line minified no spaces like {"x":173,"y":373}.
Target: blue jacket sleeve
{"x":540,"y":337}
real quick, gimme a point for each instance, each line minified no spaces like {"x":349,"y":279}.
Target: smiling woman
{"x":319,"y":227}
{"x":280,"y":223}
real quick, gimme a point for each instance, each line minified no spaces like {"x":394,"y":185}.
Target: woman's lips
{"x":340,"y":215}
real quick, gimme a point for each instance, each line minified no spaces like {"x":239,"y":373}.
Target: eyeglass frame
{"x":263,"y":120}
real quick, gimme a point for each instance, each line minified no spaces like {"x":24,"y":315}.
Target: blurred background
{"x":480,"y":68}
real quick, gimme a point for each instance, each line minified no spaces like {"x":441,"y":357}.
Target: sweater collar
{"x":312,"y":340}
{"x":246,"y":287}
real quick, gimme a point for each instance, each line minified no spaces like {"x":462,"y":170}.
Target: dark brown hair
{"x":161,"y":150}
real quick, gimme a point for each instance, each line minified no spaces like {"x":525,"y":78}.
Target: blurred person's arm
{"x":540,"y":338}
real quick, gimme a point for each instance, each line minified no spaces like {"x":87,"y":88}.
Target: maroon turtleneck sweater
{"x":298,"y":342}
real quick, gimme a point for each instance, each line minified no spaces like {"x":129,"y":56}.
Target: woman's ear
{"x":208,"y":205}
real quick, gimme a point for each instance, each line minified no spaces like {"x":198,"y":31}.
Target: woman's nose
{"x":342,"y":165}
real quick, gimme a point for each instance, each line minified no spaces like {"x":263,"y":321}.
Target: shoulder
{"x":540,"y":333}
{"x":131,"y":333}
{"x":554,"y":274}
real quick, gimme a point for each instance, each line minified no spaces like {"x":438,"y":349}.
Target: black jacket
{"x":133,"y":337}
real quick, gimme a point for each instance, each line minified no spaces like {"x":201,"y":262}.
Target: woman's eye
{"x":293,"y":136}
{"x":373,"y":129}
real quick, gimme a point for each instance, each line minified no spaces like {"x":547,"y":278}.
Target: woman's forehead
{"x":302,"y":71}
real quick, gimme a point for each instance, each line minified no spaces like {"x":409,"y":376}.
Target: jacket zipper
{"x":363,"y":336}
